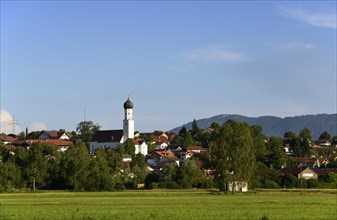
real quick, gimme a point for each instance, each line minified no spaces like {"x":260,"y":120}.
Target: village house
{"x":323,"y":143}
{"x":6,"y":139}
{"x":300,"y":173}
{"x":310,"y":162}
{"x":195,"y":149}
{"x":158,"y":158}
{"x":53,"y":134}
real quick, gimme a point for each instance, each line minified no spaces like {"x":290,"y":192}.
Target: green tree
{"x":306,"y":148}
{"x":114,"y":159}
{"x":325,"y":136}
{"x":232,"y":154}
{"x":288,"y":136}
{"x":138,"y":160}
{"x":33,"y":135}
{"x":305,"y":134}
{"x":195,"y":128}
{"x":152,"y":180}
{"x":296,"y":146}
{"x":129,"y":147}
{"x":10,"y":176}
{"x":148,"y":138}
{"x":265,"y":177}
{"x":138,"y":175}
{"x":75,"y":166}
{"x":21,"y":136}
{"x":37,"y":166}
{"x":279,"y":158}
{"x":87,"y":129}
{"x":290,"y":181}
{"x":168,"y":176}
{"x":189,"y":175}
{"x":258,"y":140}
{"x":331,"y":179}
{"x":54,"y":179}
{"x":100,"y":176}
{"x":184,"y":139}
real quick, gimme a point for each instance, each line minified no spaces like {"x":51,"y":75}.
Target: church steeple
{"x":128,"y":122}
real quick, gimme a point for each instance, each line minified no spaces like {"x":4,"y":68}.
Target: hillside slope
{"x":276,"y":126}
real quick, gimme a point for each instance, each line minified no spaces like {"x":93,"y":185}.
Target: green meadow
{"x":167,"y":204}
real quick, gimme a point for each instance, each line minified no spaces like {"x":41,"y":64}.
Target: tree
{"x":129,"y":147}
{"x":168,"y":176}
{"x":331,"y":179}
{"x":184,"y":139}
{"x":100,"y":176}
{"x":114,"y":159}
{"x":325,"y":136}
{"x":232,"y":154}
{"x":279,"y":158}
{"x":138,"y":160}
{"x":54,"y":178}
{"x":87,"y":129}
{"x":305,"y":134}
{"x":195,"y":128}
{"x":33,"y":135}
{"x":10,"y":176}
{"x":148,"y":138}
{"x":295,"y":143}
{"x":300,"y":146}
{"x":258,"y":140}
{"x":75,"y":166}
{"x":37,"y":166}
{"x":189,"y":175}
{"x":289,"y":135}
{"x":21,"y":136}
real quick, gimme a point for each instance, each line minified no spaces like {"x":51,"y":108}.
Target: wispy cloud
{"x":219,"y":54}
{"x":315,"y":19}
{"x":38,"y":126}
{"x":296,"y":46}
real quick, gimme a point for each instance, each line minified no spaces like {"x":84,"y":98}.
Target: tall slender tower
{"x":128,"y":122}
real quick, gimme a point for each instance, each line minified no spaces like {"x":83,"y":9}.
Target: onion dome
{"x":128,"y":104}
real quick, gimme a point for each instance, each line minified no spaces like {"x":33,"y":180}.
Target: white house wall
{"x":95,"y":145}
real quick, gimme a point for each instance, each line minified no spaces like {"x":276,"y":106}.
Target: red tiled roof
{"x":163,"y":153}
{"x":194,"y":148}
{"x":7,"y":138}
{"x":56,"y":142}
{"x":323,"y":171}
{"x":293,"y":170}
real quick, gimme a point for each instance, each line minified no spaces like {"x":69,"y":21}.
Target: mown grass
{"x":169,"y":204}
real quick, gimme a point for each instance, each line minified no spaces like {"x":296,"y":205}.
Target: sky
{"x":63,"y":61}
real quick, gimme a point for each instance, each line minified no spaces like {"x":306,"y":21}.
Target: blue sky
{"x":178,"y":60}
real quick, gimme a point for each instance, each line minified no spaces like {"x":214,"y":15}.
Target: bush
{"x":169,"y":185}
{"x":271,"y":184}
{"x":312,"y":183}
{"x":208,"y":184}
{"x":255,"y":184}
{"x":152,"y":180}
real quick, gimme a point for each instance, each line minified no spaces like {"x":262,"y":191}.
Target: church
{"x":111,"y":138}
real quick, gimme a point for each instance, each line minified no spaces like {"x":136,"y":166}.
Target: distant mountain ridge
{"x":276,"y":126}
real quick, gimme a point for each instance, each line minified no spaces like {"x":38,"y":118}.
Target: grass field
{"x":167,"y":204}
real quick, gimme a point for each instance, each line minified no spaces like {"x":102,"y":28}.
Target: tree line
{"x":236,"y":152}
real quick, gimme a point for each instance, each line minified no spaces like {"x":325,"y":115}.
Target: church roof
{"x":128,"y":104}
{"x":108,"y":136}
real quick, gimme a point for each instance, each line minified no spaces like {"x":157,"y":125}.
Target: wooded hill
{"x":276,"y":126}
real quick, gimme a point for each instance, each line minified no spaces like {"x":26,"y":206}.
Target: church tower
{"x":128,"y":122}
